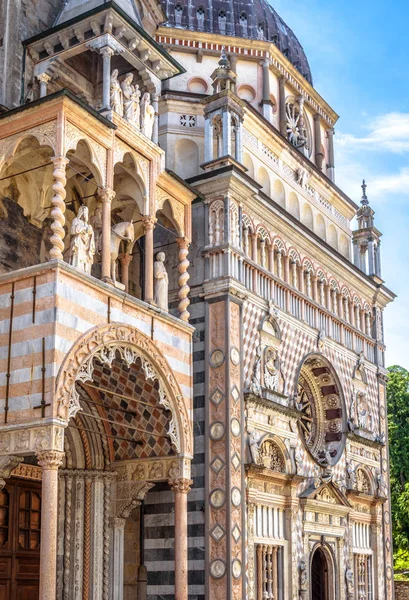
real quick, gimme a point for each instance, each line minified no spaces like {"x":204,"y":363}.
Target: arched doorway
{"x":319,"y":576}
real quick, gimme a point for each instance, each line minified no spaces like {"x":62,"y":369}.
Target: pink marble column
{"x":106,"y":196}
{"x":181,"y":488}
{"x":49,"y":460}
{"x":184,"y":289}
{"x":149,"y":225}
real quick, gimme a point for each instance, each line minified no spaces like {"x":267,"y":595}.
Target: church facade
{"x":193,"y":377}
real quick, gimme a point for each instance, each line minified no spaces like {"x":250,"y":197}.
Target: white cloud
{"x":388,"y":132}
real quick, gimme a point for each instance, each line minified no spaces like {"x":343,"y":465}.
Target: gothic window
{"x":269,"y":571}
{"x":243,"y":23}
{"x":216,"y":223}
{"x":234,"y":225}
{"x":222,"y":21}
{"x":261,"y":31}
{"x":272,"y":457}
{"x":178,"y":15}
{"x":363,"y":577}
{"x":363,"y":483}
{"x":200,"y":14}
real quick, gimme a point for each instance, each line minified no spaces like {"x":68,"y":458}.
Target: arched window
{"x":243,"y":23}
{"x":279,"y":193}
{"x":261,"y":31}
{"x":222,"y":21}
{"x":294,"y":205}
{"x":264,"y":180}
{"x":200,"y":15}
{"x":178,"y":15}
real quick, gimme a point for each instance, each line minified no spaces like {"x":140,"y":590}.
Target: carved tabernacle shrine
{"x":191,"y":336}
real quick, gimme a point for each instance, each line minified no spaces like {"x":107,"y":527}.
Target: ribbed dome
{"x":254,"y":19}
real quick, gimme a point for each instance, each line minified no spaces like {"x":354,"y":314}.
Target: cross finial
{"x":364,"y":199}
{"x":224,"y":61}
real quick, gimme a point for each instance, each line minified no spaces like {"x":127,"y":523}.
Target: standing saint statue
{"x":161,"y":282}
{"x":147,"y":115}
{"x":116,"y":94}
{"x":82,"y":245}
{"x":136,"y":96}
{"x":128,"y":97}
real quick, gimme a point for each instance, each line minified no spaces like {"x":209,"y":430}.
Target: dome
{"x":253,"y":19}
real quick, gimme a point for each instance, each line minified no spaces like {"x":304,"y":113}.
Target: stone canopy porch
{"x":98,"y":387}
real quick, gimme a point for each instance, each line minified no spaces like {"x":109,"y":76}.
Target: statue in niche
{"x":116,"y":94}
{"x":161,"y":279}
{"x":363,"y":414}
{"x":82,"y":245}
{"x":254,"y":444}
{"x":271,"y":369}
{"x":136,"y":96}
{"x":351,"y":473}
{"x":255,"y":383}
{"x":96,"y":223}
{"x":382,"y":485}
{"x":147,"y":115}
{"x":349,"y":577}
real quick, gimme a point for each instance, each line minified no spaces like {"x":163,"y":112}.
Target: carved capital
{"x":148,"y":222}
{"x":125,"y":259}
{"x":7,"y":464}
{"x":50,"y":459}
{"x":106,"y":195}
{"x":181,"y":485}
{"x":44,"y":78}
{"x":117,"y":523}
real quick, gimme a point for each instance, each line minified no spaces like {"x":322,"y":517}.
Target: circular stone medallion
{"x":216,"y":431}
{"x":236,"y":568}
{"x":236,"y":496}
{"x":235,"y":356}
{"x":217,"y":358}
{"x":217,"y":498}
{"x":217,"y":568}
{"x":235,"y":427}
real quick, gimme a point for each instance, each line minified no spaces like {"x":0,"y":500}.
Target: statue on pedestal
{"x":116,"y":94}
{"x":82,"y":245}
{"x":161,"y":282}
{"x":96,"y":223}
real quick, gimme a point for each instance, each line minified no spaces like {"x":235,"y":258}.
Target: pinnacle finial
{"x":364,"y":199}
{"x":224,"y":61}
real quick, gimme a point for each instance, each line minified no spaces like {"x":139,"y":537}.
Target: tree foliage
{"x":398,"y":420}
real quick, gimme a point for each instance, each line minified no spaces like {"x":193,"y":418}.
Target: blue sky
{"x":359,"y":52}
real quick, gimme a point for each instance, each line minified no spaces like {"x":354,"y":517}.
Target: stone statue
{"x":382,"y":485}
{"x":349,"y":578}
{"x":96,"y":222}
{"x":82,"y":245}
{"x":128,"y":99}
{"x":321,"y":339}
{"x":363,"y":416}
{"x":255,"y":448}
{"x":161,"y":282}
{"x":147,"y":115}
{"x":255,"y":383}
{"x":136,"y":97}
{"x":299,"y":461}
{"x":303,"y":573}
{"x":351,"y":473}
{"x":271,"y":372}
{"x":116,"y":94}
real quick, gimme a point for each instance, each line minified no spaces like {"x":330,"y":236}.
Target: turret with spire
{"x":366,"y":239}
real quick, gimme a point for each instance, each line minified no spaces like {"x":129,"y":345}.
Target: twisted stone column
{"x":184,"y":277}
{"x":106,"y":195}
{"x":50,"y":461}
{"x":58,"y":207}
{"x":181,"y":488}
{"x":125,"y":262}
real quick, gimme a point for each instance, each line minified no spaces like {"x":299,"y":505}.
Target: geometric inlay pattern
{"x":217,"y":533}
{"x":143,"y":399}
{"x":217,"y":464}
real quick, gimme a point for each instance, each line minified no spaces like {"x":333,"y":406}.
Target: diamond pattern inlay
{"x":217,"y":397}
{"x":217,"y":533}
{"x":235,"y":461}
{"x":235,"y":394}
{"x":236,"y":533}
{"x":217,"y":464}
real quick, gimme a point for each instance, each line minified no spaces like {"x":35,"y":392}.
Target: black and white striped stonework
{"x":159,"y":506}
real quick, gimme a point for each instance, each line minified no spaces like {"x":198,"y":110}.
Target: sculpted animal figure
{"x":119,"y":233}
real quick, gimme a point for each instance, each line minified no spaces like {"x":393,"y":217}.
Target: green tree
{"x":398,"y":420}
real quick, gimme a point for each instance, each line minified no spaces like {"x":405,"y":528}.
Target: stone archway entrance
{"x":319,"y":576}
